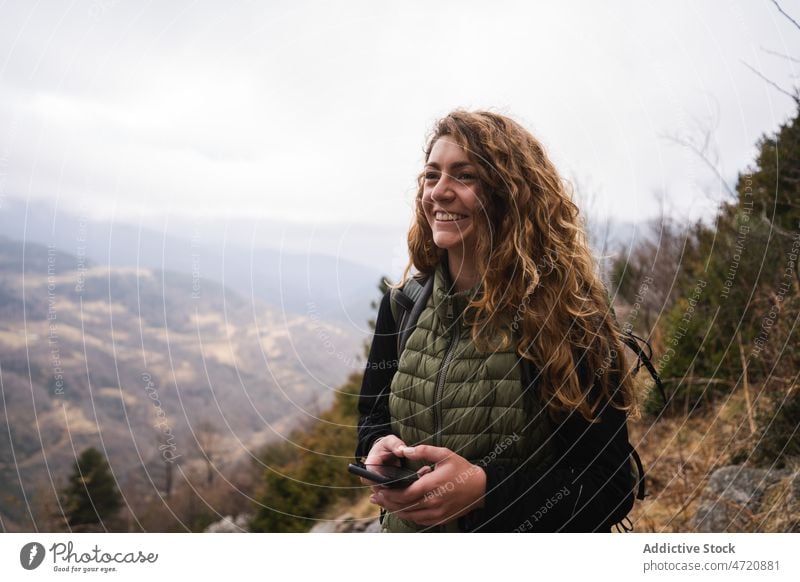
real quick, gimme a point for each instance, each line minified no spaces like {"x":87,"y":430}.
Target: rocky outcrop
{"x":743,"y":499}
{"x":229,"y":524}
{"x":346,"y":523}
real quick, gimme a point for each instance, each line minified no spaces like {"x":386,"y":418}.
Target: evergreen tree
{"x":91,"y":496}
{"x":306,"y":474}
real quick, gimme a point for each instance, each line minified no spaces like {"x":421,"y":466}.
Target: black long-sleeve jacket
{"x":581,"y":493}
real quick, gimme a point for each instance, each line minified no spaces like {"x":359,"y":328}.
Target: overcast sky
{"x":317,"y":111}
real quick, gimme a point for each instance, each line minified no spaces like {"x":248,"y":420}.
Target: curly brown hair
{"x":538,"y":278}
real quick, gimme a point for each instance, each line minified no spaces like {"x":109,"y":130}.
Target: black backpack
{"x":408,"y":303}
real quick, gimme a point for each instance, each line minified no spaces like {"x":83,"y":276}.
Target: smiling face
{"x":450,"y":196}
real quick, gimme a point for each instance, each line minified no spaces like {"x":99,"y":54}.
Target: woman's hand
{"x":382,"y":452}
{"x":386,"y":451}
{"x":453,"y":489}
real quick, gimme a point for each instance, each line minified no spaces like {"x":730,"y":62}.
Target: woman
{"x":513,"y":278}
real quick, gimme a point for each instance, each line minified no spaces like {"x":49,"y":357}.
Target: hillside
{"x":150,"y":367}
{"x":282,"y":265}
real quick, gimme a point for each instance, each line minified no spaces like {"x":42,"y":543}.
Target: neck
{"x":462,"y":269}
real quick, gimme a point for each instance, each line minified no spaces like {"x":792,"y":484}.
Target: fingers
{"x":392,"y":498}
{"x":388,"y":443}
{"x":424,"y":470}
{"x":425,"y":453}
{"x":383,"y":451}
{"x":380,"y":459}
{"x":379,"y":456}
{"x":391,"y":445}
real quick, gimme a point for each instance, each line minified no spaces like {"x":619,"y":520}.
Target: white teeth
{"x":445,"y":216}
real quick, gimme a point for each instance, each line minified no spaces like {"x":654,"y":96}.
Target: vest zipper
{"x":437,"y":402}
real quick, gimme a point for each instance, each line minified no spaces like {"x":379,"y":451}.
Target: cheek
{"x":426,"y":205}
{"x":477,"y":204}
{"x":476,"y":209}
{"x":473,"y":202}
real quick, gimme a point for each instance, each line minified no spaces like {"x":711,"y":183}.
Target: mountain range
{"x":146,"y":365}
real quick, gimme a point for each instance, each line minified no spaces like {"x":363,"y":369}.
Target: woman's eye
{"x":461,"y":177}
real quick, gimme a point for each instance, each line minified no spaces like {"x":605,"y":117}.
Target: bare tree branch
{"x":701,"y":146}
{"x":792,"y":20}
{"x":701,"y":152}
{"x":794,"y":96}
{"x":765,"y":219}
{"x":783,"y":56}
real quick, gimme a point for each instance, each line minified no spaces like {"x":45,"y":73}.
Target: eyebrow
{"x":454,"y":166}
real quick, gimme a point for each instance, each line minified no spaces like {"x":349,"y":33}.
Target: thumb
{"x":427,"y":453}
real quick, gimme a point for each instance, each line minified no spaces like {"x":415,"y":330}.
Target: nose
{"x":442,"y":190}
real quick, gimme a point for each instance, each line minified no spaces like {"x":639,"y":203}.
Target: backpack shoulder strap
{"x":407,"y":304}
{"x":643,"y":359}
{"x":640,"y":492}
{"x":632,"y":341}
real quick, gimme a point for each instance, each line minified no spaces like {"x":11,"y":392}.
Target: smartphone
{"x":387,"y":475}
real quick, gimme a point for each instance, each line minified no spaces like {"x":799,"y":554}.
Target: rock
{"x":373,"y":527}
{"x":346,"y":523}
{"x":733,"y":495}
{"x":325,"y":527}
{"x":366,"y":526}
{"x":342,"y":523}
{"x":230,"y":525}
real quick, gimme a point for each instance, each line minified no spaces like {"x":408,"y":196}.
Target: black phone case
{"x":393,"y":483}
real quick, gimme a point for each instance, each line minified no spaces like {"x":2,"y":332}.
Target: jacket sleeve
{"x":582,"y":492}
{"x":373,"y":402}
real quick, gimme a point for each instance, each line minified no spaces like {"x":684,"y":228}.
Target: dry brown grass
{"x":781,"y":509}
{"x":679,"y":455}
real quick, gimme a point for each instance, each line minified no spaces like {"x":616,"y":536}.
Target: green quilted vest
{"x":448,"y":394}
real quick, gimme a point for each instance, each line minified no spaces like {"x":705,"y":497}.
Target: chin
{"x":446,"y":242}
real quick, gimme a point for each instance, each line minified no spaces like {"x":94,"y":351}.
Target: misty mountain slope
{"x":293,"y":279}
{"x":139,"y":361}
